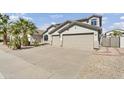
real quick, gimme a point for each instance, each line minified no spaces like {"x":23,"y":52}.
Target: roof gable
{"x":58,"y":26}
{"x":51,"y":27}
{"x":63,"y":24}
{"x":86,"y":19}
{"x":82,"y":25}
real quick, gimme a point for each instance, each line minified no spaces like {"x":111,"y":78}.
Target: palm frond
{"x":1,"y":33}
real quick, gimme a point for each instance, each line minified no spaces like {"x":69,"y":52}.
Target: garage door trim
{"x":78,"y":34}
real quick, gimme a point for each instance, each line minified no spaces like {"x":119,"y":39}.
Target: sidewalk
{"x":14,"y":67}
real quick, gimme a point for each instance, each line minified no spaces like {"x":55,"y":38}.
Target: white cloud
{"x":104,"y":20}
{"x":104,"y":30}
{"x":16,"y":16}
{"x":118,"y":25}
{"x":122,"y":17}
{"x":56,"y":16}
{"x":27,"y":18}
{"x":44,"y":26}
{"x":53,"y":23}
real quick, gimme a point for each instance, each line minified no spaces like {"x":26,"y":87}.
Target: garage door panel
{"x":56,"y":41}
{"x":84,"y":42}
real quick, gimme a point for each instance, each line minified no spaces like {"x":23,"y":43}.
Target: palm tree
{"x":15,"y":40}
{"x":27,"y":28}
{"x":4,"y":24}
{"x":116,"y":33}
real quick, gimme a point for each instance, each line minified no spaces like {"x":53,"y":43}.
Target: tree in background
{"x":15,"y":40}
{"x":4,"y":25}
{"x":16,"y":32}
{"x":116,"y":33}
{"x":27,"y":28}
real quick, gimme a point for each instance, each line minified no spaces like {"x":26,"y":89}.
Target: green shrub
{"x":25,"y":41}
{"x":15,"y":43}
{"x":36,"y":43}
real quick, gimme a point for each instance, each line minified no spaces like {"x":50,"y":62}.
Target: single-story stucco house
{"x":37,"y":36}
{"x":78,"y":34}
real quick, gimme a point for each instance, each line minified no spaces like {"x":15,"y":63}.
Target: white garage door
{"x":55,"y":41}
{"x":84,"y":41}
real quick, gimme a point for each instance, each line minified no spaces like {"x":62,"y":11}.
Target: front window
{"x":46,"y":38}
{"x":94,"y":22}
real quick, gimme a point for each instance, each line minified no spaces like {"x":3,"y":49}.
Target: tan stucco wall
{"x":55,"y":40}
{"x":49,"y":36}
{"x":78,"y":29}
{"x":74,"y":30}
{"x":56,"y":33}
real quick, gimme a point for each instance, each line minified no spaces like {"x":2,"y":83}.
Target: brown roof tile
{"x":81,"y":24}
{"x":57,"y":26}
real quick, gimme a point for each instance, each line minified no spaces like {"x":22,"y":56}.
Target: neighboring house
{"x":37,"y":36}
{"x":109,"y":40}
{"x":78,"y":34}
{"x":110,"y":33}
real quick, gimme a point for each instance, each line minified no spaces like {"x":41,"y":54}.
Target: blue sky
{"x":43,"y":20}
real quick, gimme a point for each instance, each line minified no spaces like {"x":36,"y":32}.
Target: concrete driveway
{"x":13,"y":67}
{"x":53,"y":62}
{"x":56,"y":62}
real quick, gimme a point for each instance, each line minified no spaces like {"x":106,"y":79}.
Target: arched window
{"x":46,"y":38}
{"x":94,"y":22}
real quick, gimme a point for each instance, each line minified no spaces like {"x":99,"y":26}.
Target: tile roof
{"x":57,"y":26}
{"x":82,"y":25}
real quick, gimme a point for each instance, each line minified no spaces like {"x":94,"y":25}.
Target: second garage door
{"x":55,"y":40}
{"x":80,"y":41}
